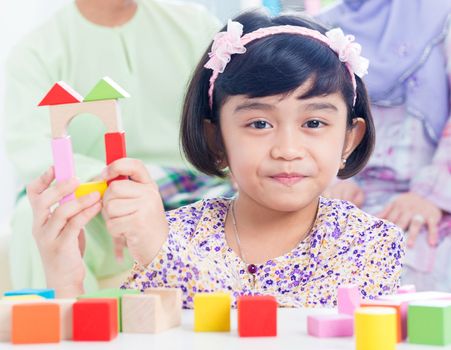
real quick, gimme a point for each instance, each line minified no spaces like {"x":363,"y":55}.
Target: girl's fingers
{"x":117,"y":227}
{"x":125,"y":189}
{"x":39,"y":185}
{"x":66,"y":211}
{"x":120,"y":207}
{"x":132,"y":168}
{"x":76,"y":223}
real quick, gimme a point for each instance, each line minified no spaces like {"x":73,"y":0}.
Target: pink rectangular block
{"x":348,"y":299}
{"x":326,"y":326}
{"x":63,"y":161}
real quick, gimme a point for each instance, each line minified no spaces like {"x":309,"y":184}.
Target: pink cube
{"x":326,"y":326}
{"x":348,"y":299}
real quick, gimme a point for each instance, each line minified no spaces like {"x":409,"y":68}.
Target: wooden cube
{"x":95,"y":319}
{"x":375,"y":328}
{"x":257,"y":316}
{"x":66,"y":317}
{"x":429,"y":322}
{"x":212,"y":312}
{"x":157,"y":310}
{"x":34,"y":323}
{"x":115,"y":293}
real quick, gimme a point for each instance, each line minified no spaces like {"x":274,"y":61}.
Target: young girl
{"x":280,"y":109}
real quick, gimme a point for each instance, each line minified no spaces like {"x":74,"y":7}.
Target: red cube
{"x":257,"y":316}
{"x":95,"y":319}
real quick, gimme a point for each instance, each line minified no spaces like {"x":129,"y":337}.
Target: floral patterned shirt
{"x":345,"y":246}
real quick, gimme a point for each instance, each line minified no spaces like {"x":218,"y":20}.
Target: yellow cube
{"x":375,"y":328}
{"x":212,"y":312}
{"x":89,"y":187}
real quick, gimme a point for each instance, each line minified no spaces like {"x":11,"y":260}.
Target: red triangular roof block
{"x":61,"y":93}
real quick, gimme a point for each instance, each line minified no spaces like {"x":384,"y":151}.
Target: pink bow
{"x":348,"y":51}
{"x":225,"y":44}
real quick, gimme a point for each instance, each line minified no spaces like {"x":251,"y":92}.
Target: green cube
{"x":429,"y":322}
{"x":114,"y":293}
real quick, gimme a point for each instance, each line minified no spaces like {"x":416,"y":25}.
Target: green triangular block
{"x":106,"y":89}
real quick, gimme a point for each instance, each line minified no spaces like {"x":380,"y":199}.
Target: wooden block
{"x":45,"y":293}
{"x":6,"y":306}
{"x":157,"y":310}
{"x":107,"y":111}
{"x":328,"y":326}
{"x":257,"y":316}
{"x":63,"y":161}
{"x":115,"y":148}
{"x":23,"y":297}
{"x":89,"y":187}
{"x":95,"y":319}
{"x":115,"y":293}
{"x":348,"y":299}
{"x":66,"y":317}
{"x":212,"y":312}
{"x":34,"y":323}
{"x":106,"y":89}
{"x":401,"y":314}
{"x":408,"y":288}
{"x":375,"y":328}
{"x":61,"y":93}
{"x":429,"y":322}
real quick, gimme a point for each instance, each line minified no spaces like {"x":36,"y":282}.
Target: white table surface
{"x":292,"y":334}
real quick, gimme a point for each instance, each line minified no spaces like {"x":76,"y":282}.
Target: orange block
{"x":401,"y":314}
{"x":35,"y":323}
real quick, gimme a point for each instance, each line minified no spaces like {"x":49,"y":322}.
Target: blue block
{"x":45,"y":293}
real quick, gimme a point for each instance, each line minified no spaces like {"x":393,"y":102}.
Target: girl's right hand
{"x":59,"y":234}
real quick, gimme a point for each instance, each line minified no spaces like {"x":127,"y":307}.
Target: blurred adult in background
{"x":408,"y":179}
{"x":149,"y":47}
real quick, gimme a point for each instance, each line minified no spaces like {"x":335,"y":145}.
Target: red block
{"x":59,"y":94}
{"x":115,"y":148}
{"x":257,"y":316}
{"x":95,"y":319}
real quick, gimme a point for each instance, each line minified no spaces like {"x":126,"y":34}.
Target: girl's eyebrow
{"x":253,"y":105}
{"x":315,"y":106}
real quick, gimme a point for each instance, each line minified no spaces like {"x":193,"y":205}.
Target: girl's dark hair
{"x":274,"y":65}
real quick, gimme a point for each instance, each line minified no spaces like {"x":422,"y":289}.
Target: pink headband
{"x":225,"y":44}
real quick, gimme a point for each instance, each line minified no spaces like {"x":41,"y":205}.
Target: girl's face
{"x":283,"y":151}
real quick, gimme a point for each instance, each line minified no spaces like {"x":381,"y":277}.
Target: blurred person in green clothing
{"x":149,"y":47}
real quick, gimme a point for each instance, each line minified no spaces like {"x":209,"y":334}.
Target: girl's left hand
{"x":133,"y":210}
{"x":411,"y":212}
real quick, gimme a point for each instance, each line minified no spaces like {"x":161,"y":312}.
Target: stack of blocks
{"x":31,"y":318}
{"x":337,"y":325}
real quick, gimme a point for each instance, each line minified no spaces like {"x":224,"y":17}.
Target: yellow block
{"x":89,"y":187}
{"x":375,"y":328}
{"x":212,"y":312}
{"x":23,"y":297}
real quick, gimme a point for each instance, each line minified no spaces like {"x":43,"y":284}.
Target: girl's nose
{"x":288,"y":146}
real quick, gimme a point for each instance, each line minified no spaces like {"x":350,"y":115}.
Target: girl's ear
{"x":214,"y":142}
{"x":354,"y":136}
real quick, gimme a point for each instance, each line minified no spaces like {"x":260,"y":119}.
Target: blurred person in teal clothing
{"x":150,"y":48}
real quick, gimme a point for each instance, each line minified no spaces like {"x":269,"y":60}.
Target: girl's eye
{"x":314,"y":124}
{"x":260,"y":124}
